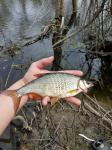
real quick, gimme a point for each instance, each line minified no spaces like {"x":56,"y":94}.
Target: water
{"x":22,"y":19}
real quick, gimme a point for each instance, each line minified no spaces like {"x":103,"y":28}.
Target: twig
{"x":38,"y":140}
{"x":91,"y":109}
{"x":59,"y":125}
{"x":84,"y":27}
{"x":42,"y":34}
{"x":9,"y":75}
{"x":102,"y":109}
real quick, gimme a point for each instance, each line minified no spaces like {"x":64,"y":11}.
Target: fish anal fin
{"x":54,"y":100}
{"x":34,"y":96}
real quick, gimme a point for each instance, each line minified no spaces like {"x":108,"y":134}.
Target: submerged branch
{"x":41,"y":36}
{"x":14,"y":47}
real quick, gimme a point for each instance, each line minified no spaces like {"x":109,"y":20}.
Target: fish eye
{"x":88,"y":82}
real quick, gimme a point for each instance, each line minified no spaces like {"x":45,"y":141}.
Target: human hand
{"x":37,"y":69}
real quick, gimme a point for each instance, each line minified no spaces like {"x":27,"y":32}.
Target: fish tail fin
{"x":14,"y":96}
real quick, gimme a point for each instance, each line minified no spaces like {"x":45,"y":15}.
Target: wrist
{"x":22,"y":82}
{"x":9,"y":98}
{"x":6,"y":110}
{"x":17,"y":85}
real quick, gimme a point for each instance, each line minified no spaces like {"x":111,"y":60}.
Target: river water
{"x":21,"y":19}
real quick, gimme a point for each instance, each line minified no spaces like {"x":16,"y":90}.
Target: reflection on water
{"x":19,"y":17}
{"x":25,"y":18}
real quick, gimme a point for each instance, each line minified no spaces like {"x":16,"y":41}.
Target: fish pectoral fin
{"x":72,"y":91}
{"x":34,"y":96}
{"x":54,"y":100}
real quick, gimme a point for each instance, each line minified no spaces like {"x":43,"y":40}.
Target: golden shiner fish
{"x":54,"y":85}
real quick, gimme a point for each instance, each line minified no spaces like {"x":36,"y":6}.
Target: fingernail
{"x":81,"y":73}
{"x":79,"y":103}
{"x":45,"y":100}
{"x":51,"y":57}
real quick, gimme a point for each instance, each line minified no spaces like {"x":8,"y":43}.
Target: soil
{"x":58,"y":128}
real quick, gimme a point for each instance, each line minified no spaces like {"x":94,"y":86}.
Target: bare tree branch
{"x":84,"y":27}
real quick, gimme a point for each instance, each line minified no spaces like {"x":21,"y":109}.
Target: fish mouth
{"x":94,"y":81}
{"x":90,"y":83}
{"x":86,"y":85}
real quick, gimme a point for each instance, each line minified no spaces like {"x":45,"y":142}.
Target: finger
{"x":44,"y":62}
{"x":74,"y":72}
{"x":73,"y":100}
{"x":45,"y":100}
{"x":40,"y":73}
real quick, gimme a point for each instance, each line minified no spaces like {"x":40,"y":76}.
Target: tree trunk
{"x":59,"y":7}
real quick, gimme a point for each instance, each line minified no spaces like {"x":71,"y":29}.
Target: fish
{"x":55,"y":85}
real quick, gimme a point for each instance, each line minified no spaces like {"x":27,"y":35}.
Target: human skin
{"x":36,"y":69}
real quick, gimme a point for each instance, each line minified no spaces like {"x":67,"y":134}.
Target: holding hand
{"x":8,"y":103}
{"x":37,"y":69}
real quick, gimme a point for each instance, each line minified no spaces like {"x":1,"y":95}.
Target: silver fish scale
{"x":51,"y":85}
{"x":58,"y":84}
